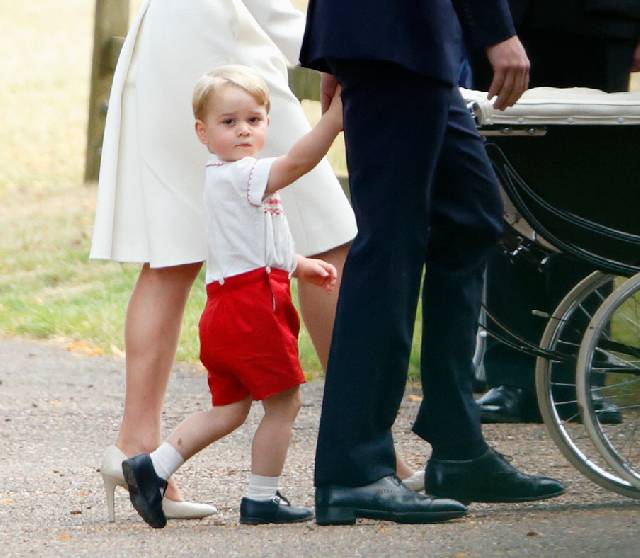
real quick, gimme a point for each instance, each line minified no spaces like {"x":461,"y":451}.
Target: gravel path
{"x":59,"y":409}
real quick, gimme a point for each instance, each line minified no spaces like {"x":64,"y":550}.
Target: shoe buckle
{"x":278,"y":498}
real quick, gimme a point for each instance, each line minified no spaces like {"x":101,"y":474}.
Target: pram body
{"x":569,"y":164}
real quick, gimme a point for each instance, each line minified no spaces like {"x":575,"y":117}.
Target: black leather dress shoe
{"x":506,"y":404}
{"x":488,"y":478}
{"x":276,"y":510}
{"x":146,"y":489}
{"x":386,"y":499}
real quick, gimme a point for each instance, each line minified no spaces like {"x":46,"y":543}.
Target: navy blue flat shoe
{"x":146,"y":489}
{"x":276,"y":510}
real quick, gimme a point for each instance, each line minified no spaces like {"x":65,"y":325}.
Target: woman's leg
{"x":152,"y":328}
{"x":402,"y":468}
{"x":318,"y":307}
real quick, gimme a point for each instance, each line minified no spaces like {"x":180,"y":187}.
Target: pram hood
{"x":556,"y":106}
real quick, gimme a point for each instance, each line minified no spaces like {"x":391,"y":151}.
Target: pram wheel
{"x":609,"y":366}
{"x":556,"y":385}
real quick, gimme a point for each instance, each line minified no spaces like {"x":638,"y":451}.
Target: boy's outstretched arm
{"x":309,"y":150}
{"x":317,"y":272}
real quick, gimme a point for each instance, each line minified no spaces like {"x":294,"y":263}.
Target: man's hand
{"x":510,"y":72}
{"x":635,"y":64}
{"x":328,"y":85}
{"x":316,"y":272}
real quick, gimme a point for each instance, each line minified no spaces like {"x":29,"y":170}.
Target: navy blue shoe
{"x":146,"y":489}
{"x":276,"y":510}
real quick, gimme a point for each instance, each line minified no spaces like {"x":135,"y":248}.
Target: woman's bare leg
{"x":318,"y":309}
{"x":402,"y":468}
{"x":152,"y":329}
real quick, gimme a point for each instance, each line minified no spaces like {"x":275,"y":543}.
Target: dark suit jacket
{"x":422,"y":35}
{"x":608,"y":19}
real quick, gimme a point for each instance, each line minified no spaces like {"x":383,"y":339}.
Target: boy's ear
{"x":201,"y":132}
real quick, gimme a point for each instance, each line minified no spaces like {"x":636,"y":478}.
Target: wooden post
{"x":111,"y":23}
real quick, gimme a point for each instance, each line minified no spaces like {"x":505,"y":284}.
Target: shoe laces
{"x":398,"y":482}
{"x":507,"y":459}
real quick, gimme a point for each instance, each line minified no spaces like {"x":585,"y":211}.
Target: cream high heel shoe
{"x":111,"y":471}
{"x":415,"y":482}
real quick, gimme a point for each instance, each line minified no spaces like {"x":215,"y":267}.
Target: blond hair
{"x":242,"y":77}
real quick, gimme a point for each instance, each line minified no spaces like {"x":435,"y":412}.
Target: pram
{"x":568,"y":161}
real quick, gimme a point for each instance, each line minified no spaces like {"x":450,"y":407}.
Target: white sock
{"x":166,"y":460}
{"x":262,"y":488}
{"x":415,"y":482}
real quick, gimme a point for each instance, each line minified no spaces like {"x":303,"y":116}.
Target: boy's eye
{"x":228,"y":121}
{"x":255,"y":120}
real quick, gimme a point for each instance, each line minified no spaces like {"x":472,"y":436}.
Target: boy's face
{"x":235,"y":125}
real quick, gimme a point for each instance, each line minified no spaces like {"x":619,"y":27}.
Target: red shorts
{"x":249,"y":337}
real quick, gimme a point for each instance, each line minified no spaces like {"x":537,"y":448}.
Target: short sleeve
{"x":253,"y":177}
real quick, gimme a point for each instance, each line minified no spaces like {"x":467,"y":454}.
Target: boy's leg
{"x":147,"y":474}
{"x":271,"y":440}
{"x":263,"y":503}
{"x":201,"y":429}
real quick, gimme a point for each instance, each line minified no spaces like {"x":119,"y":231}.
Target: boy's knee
{"x":238,"y":415}
{"x":286,"y":403}
{"x":293,"y":401}
{"x":296,"y":403}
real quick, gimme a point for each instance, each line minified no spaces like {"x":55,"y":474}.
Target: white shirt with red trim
{"x":245,"y":229}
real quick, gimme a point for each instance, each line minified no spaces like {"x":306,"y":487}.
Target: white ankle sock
{"x":166,"y":460}
{"x":262,"y":488}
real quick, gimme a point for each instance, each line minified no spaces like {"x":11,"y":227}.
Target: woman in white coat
{"x":149,"y":207}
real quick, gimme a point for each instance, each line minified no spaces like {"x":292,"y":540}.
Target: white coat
{"x":149,"y":206}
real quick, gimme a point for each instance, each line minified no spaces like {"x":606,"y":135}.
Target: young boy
{"x":249,"y":327}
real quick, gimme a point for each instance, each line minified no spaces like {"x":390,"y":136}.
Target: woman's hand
{"x":316,"y":272}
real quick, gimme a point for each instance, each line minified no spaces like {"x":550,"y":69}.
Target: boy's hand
{"x":328,"y":84}
{"x":316,"y":272}
{"x":334,"y":112}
